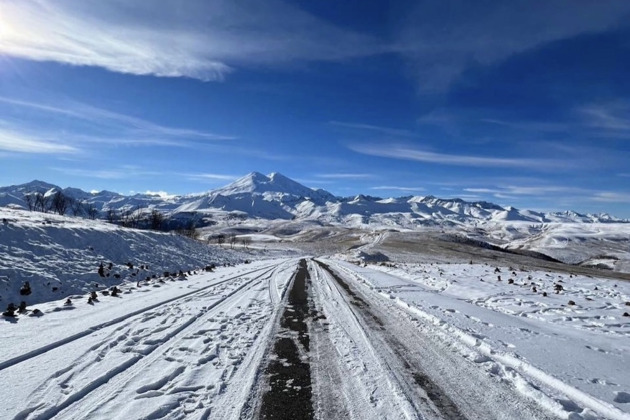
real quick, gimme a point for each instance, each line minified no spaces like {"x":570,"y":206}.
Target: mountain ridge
{"x":276,"y":196}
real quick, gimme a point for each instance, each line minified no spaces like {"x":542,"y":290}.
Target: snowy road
{"x":180,"y":353}
{"x":293,"y":338}
{"x":392,"y":366}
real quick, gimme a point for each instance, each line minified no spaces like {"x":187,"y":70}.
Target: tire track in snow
{"x":369,"y":319}
{"x":125,"y":371}
{"x":384,"y":387}
{"x":475,"y":393}
{"x":41,"y":350}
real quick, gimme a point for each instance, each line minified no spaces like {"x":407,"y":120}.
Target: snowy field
{"x":415,"y":335}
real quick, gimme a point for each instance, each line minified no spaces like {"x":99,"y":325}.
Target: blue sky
{"x":523,"y":103}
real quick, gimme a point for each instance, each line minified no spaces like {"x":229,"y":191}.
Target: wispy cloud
{"x":313,"y":183}
{"x":398,"y":188}
{"x":613,"y":119}
{"x":409,"y":153}
{"x":536,"y":126}
{"x":11,"y":141}
{"x":198,"y":39}
{"x":533,"y":190}
{"x":611,"y":197}
{"x":205,"y":177}
{"x":344,"y":176}
{"x":126,"y":126}
{"x":441,"y":39}
{"x":374,"y":128}
{"x":123,"y":172}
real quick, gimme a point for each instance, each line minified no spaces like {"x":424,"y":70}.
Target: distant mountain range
{"x":274,"y":196}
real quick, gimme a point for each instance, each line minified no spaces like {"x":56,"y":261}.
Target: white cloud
{"x":613,"y":118}
{"x":374,"y":128}
{"x":209,"y":177}
{"x":161,"y":194}
{"x":409,"y":153}
{"x":344,"y":176}
{"x":11,"y":141}
{"x":200,"y":39}
{"x":129,"y":129}
{"x":396,"y":188}
{"x":611,"y":197}
{"x":124,"y":172}
{"x":535,"y":190}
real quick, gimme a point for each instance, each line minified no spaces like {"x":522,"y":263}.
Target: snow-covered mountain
{"x":274,"y":196}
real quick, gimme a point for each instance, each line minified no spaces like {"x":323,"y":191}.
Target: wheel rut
{"x":419,"y":386}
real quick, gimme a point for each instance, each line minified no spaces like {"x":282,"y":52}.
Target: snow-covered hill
{"x":61,"y":255}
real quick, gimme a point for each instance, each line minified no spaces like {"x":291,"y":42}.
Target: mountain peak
{"x":37,"y":185}
{"x":255,"y":182}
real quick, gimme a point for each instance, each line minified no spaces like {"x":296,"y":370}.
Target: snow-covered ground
{"x":407,"y":341}
{"x":185,"y":348}
{"x":571,"y":357}
{"x":604,"y":245}
{"x":398,"y":338}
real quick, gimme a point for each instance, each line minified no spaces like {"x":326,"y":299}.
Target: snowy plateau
{"x":294,"y":303}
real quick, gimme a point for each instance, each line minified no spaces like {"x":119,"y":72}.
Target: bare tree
{"x":156,"y":219}
{"x":77,"y":207}
{"x":232,"y":240}
{"x":125,"y":217}
{"x":220,"y":239}
{"x":60,"y":203}
{"x":135,"y":216}
{"x":91,"y":211}
{"x":191,"y":231}
{"x":42,"y":202}
{"x":30,"y":200}
{"x":246,"y":241}
{"x":111,"y":215}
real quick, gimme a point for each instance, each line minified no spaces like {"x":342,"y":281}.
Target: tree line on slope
{"x":137,"y":217}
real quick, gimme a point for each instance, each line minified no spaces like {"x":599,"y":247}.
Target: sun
{"x":7,"y":31}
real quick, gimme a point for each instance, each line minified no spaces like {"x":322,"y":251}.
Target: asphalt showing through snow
{"x":290,"y":390}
